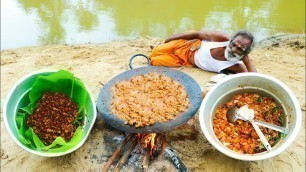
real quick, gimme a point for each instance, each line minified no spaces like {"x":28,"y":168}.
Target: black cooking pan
{"x":192,"y":88}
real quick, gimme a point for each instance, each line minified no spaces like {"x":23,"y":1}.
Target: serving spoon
{"x":233,"y":115}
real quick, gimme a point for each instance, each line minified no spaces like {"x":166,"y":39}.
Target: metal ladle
{"x":233,"y":115}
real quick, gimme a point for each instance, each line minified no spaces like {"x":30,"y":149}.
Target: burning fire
{"x":148,"y":142}
{"x":152,"y":145}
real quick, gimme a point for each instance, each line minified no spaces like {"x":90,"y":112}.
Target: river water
{"x":43,"y":22}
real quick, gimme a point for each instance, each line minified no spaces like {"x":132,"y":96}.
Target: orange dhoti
{"x":174,"y":53}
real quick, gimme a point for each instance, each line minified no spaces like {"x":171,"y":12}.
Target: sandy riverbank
{"x":95,"y":64}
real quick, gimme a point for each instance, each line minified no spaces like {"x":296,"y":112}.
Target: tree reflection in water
{"x":159,"y":18}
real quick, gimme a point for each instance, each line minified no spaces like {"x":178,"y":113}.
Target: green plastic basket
{"x":18,"y":98}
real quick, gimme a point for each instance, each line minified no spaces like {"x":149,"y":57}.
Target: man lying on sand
{"x":210,"y":51}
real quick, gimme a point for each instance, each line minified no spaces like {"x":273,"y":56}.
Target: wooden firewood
{"x":146,"y":161}
{"x":117,"y":152}
{"x":126,"y":155}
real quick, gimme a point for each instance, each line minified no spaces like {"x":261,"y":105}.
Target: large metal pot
{"x":191,"y":86}
{"x":252,"y":83}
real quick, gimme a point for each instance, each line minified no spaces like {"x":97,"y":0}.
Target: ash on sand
{"x":95,"y":64}
{"x":135,"y":162}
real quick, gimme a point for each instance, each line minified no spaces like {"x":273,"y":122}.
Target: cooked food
{"x":146,"y":99}
{"x":54,"y":116}
{"x":241,"y":136}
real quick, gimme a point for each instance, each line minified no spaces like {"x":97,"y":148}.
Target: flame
{"x":148,"y":142}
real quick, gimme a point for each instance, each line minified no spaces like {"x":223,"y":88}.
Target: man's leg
{"x":167,"y":60}
{"x":167,"y":48}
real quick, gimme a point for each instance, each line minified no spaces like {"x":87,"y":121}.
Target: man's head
{"x":240,"y":45}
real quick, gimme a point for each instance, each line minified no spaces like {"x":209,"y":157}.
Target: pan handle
{"x":131,"y":59}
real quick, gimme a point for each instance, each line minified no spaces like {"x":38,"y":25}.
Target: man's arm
{"x":248,"y":63}
{"x":240,"y":68}
{"x":202,"y":35}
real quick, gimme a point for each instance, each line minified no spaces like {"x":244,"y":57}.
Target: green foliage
{"x":275,"y":109}
{"x":260,"y":99}
{"x":281,"y":137}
